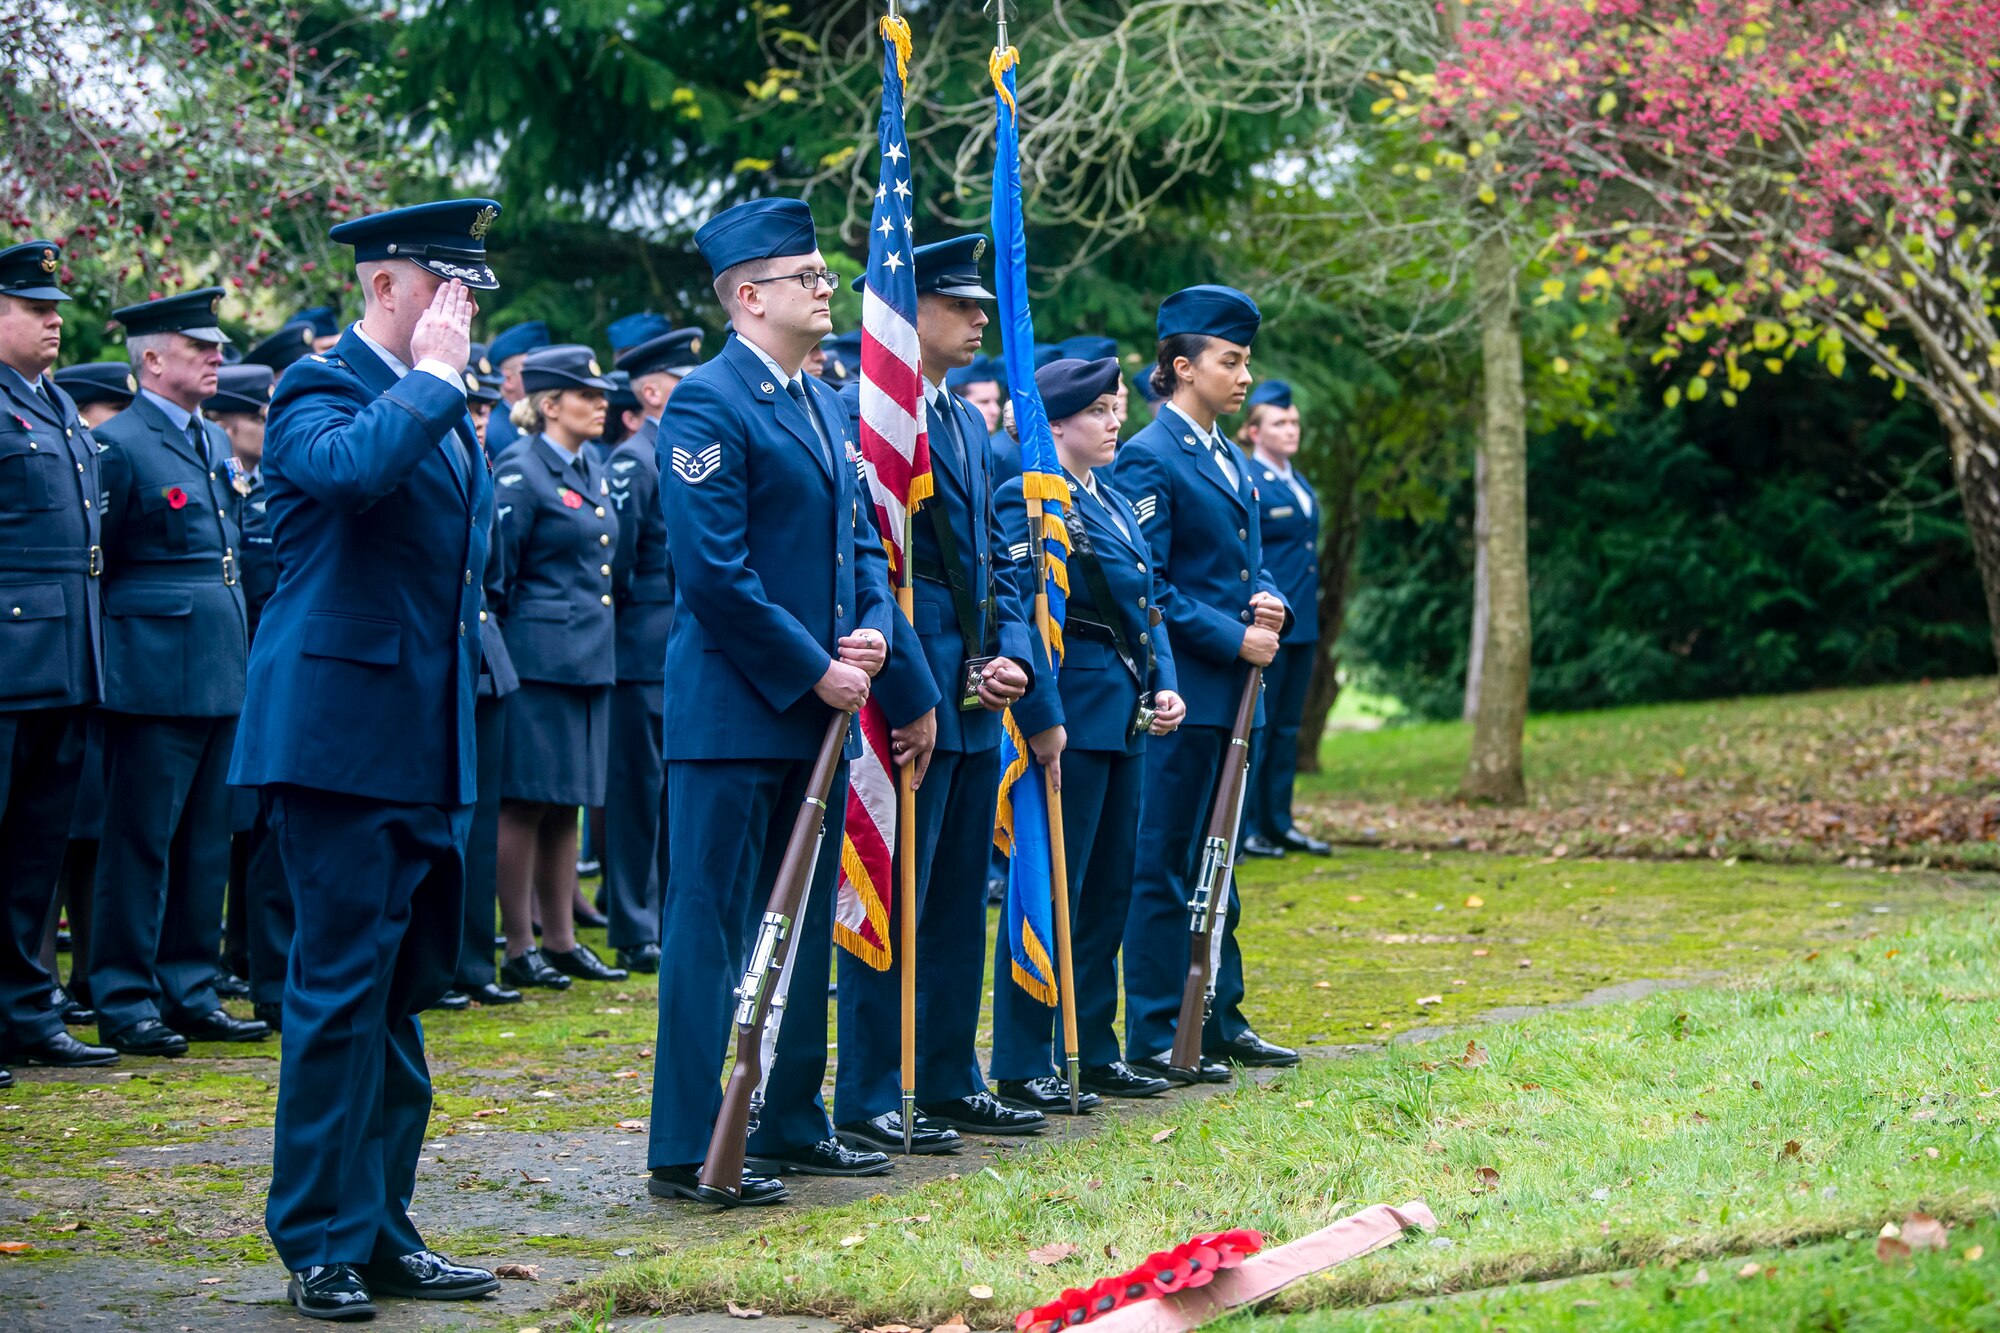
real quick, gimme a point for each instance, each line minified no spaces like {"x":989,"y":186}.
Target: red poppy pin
{"x":176,"y":498}
{"x":570,"y":497}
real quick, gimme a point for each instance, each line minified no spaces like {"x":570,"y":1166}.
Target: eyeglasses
{"x":810,"y":279}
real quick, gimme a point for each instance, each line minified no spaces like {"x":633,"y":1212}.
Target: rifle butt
{"x":722,"y":1170}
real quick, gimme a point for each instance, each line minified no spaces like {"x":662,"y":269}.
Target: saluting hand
{"x":1270,"y":611}
{"x":864,"y":648}
{"x":844,"y":686}
{"x":1002,"y":683}
{"x":915,"y":744}
{"x":1169,"y":710}
{"x":444,"y":330}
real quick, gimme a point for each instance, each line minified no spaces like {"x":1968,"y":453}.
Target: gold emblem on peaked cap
{"x":471,"y":384}
{"x":978,"y":249}
{"x":694,"y":345}
{"x":482,"y":220}
{"x":306,"y":336}
{"x":214,"y":304}
{"x":485,"y":366}
{"x":593,"y":367}
{"x":131,"y":384}
{"x":48,"y":261}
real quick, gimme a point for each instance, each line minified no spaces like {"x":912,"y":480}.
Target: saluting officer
{"x":975,"y":659}
{"x":506,"y":354}
{"x":642,"y":591}
{"x":1115,"y":687}
{"x":782,"y":616}
{"x":176,"y":636}
{"x":100,"y":389}
{"x":1197,"y":502}
{"x":358,"y":728}
{"x":51,"y":659}
{"x":557,"y":533}
{"x":1289,"y":516}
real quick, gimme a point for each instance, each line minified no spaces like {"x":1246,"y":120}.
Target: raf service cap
{"x":629,"y":331}
{"x":191,"y":314}
{"x":325,"y":321}
{"x":948,"y":268}
{"x":283,"y":347}
{"x":620,"y":396}
{"x":99,"y":382}
{"x":1277,"y":393}
{"x":244,"y":388}
{"x":1213,"y":312}
{"x":563,"y":366}
{"x":29,"y":271}
{"x":674,"y":353}
{"x":447,"y":238}
{"x":756,"y":229}
{"x":1071,"y":384}
{"x":518,"y":341}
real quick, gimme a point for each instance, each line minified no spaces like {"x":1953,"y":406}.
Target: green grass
{"x":1828,"y":1098}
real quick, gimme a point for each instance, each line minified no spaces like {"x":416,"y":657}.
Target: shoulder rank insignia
{"x":1147,"y":506}
{"x":695,"y":468}
{"x":1019,"y":550}
{"x":510,"y":479}
{"x":625,"y":465}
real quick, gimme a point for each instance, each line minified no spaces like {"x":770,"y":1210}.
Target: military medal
{"x":239,"y":480}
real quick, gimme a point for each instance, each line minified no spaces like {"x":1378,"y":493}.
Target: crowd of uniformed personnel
{"x":311,"y":658}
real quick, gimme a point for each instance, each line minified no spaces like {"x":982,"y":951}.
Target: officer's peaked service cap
{"x":447,"y":238}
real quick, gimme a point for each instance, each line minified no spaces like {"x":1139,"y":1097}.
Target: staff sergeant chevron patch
{"x":1146,"y":507}
{"x":697,"y":468}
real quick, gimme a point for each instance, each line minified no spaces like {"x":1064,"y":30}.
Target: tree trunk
{"x":1493,"y":772}
{"x":1336,"y":578}
{"x":1475,"y":653}
{"x":1975,"y":464}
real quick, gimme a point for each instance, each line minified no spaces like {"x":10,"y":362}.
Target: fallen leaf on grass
{"x":489,"y":1111}
{"x":1889,"y":1250}
{"x":1113,"y":1252}
{"x":1791,"y":1148}
{"x":957,"y":1325}
{"x":1488,"y":1178}
{"x":980,"y":1292}
{"x":626,"y":1073}
{"x":211,"y":1282}
{"x":1052,"y":1253}
{"x":524,"y":1272}
{"x":1425,"y":1001}
{"x":1975,"y":1254}
{"x":742,"y":1311}
{"x":78,"y":1225}
{"x":1751,"y":1269}
{"x":1923,"y":1232}
{"x":1525,"y":962}
{"x":1475,"y":1056}
{"x":534,"y":1180}
{"x":632,"y":1126}
{"x":1474,"y":900}
{"x":15,"y":1247}
{"x":1165,"y":1134}
{"x":849,"y":1242}
{"x":1322,"y":985}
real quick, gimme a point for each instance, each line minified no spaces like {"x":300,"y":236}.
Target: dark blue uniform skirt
{"x":558,"y":744}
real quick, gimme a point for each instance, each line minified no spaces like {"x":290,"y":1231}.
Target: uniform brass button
{"x":604,"y":539}
{"x":482,"y":617}
{"x":17,"y":610}
{"x":839,"y":611}
{"x":79,"y":467}
{"x":461,"y":629}
{"x":211,"y":476}
{"x":600,"y":511}
{"x":222,"y":513}
{"x":468,"y":578}
{"x":1143,"y":639}
{"x":604,"y":570}
{"x":86,"y":504}
{"x":33,"y":445}
{"x":606,"y":599}
{"x":839,"y":559}
{"x":1142,"y":601}
{"x":1242,"y":535}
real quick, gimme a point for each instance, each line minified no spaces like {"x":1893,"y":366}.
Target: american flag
{"x":895,"y":452}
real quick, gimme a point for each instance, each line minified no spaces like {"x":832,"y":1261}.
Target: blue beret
{"x":1045,"y":353}
{"x":631,"y":330}
{"x":563,"y":366}
{"x":29,"y":271}
{"x":325,"y":320}
{"x":756,"y":229}
{"x":1088,"y":347}
{"x":983,"y":370}
{"x":283,"y":347}
{"x":191,"y":314}
{"x":1142,"y":384}
{"x":673,"y":353}
{"x":1070,"y":384}
{"x":245,"y":388}
{"x":1275,"y":392}
{"x":1213,"y":312}
{"x":518,"y":341}
{"x":99,"y":382}
{"x":447,"y":238}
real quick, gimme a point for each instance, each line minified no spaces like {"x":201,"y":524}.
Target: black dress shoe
{"x":885,"y":1132}
{"x":231,"y":987}
{"x":491,"y":993}
{"x":427,"y":1276}
{"x":531,"y":969}
{"x":1252,"y":1050}
{"x":270,"y":1015}
{"x":1048,"y":1094}
{"x":645,"y":958}
{"x":1211,"y":1071}
{"x":148,"y":1036}
{"x":588,"y":917}
{"x":1303,"y":842}
{"x":1119,"y":1079}
{"x":330,"y":1291}
{"x":73,"y":1014}
{"x":1256,"y":846}
{"x":829,"y":1157}
{"x":684,"y":1182}
{"x":583,"y":963}
{"x":983,"y":1113}
{"x":59,"y":1050}
{"x":453,"y":1000}
{"x":220,"y":1026}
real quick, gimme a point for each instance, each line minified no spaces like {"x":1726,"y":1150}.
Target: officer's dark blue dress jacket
{"x":363,"y":675}
{"x":1096,"y":694}
{"x":775,"y":558}
{"x":1291,"y":547}
{"x":642,"y":575}
{"x":966,"y":504}
{"x":259,"y":564}
{"x":1204,"y":535}
{"x":51,"y":501}
{"x":176,"y":634}
{"x":559,"y":535}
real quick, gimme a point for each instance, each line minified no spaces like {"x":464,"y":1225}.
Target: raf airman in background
{"x":100,"y":389}
{"x":51,"y":658}
{"x":505,"y":354}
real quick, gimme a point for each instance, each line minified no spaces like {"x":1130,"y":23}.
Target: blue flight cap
{"x":629,"y":331}
{"x":99,"y":382}
{"x":191,"y":314}
{"x":518,"y":341}
{"x":29,"y":271}
{"x":283,"y":347}
{"x":325,"y":321}
{"x":983,"y":370}
{"x":244,"y":388}
{"x":756,"y":229}
{"x":1213,"y":312}
{"x":1277,"y":393}
{"x":674,"y":353}
{"x":1088,"y":347}
{"x":1070,"y":384}
{"x":1142,"y":384}
{"x":563,"y":366}
{"x":843,"y":357}
{"x":447,"y":238}
{"x":1045,"y":353}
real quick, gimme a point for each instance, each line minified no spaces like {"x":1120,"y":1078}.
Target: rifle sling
{"x":1083,"y":556}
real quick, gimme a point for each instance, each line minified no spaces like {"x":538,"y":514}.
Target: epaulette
{"x":325,"y":360}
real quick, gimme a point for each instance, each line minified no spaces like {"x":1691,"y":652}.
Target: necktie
{"x":198,"y":438}
{"x":797,"y":389}
{"x":1225,"y":462}
{"x":942,"y":409}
